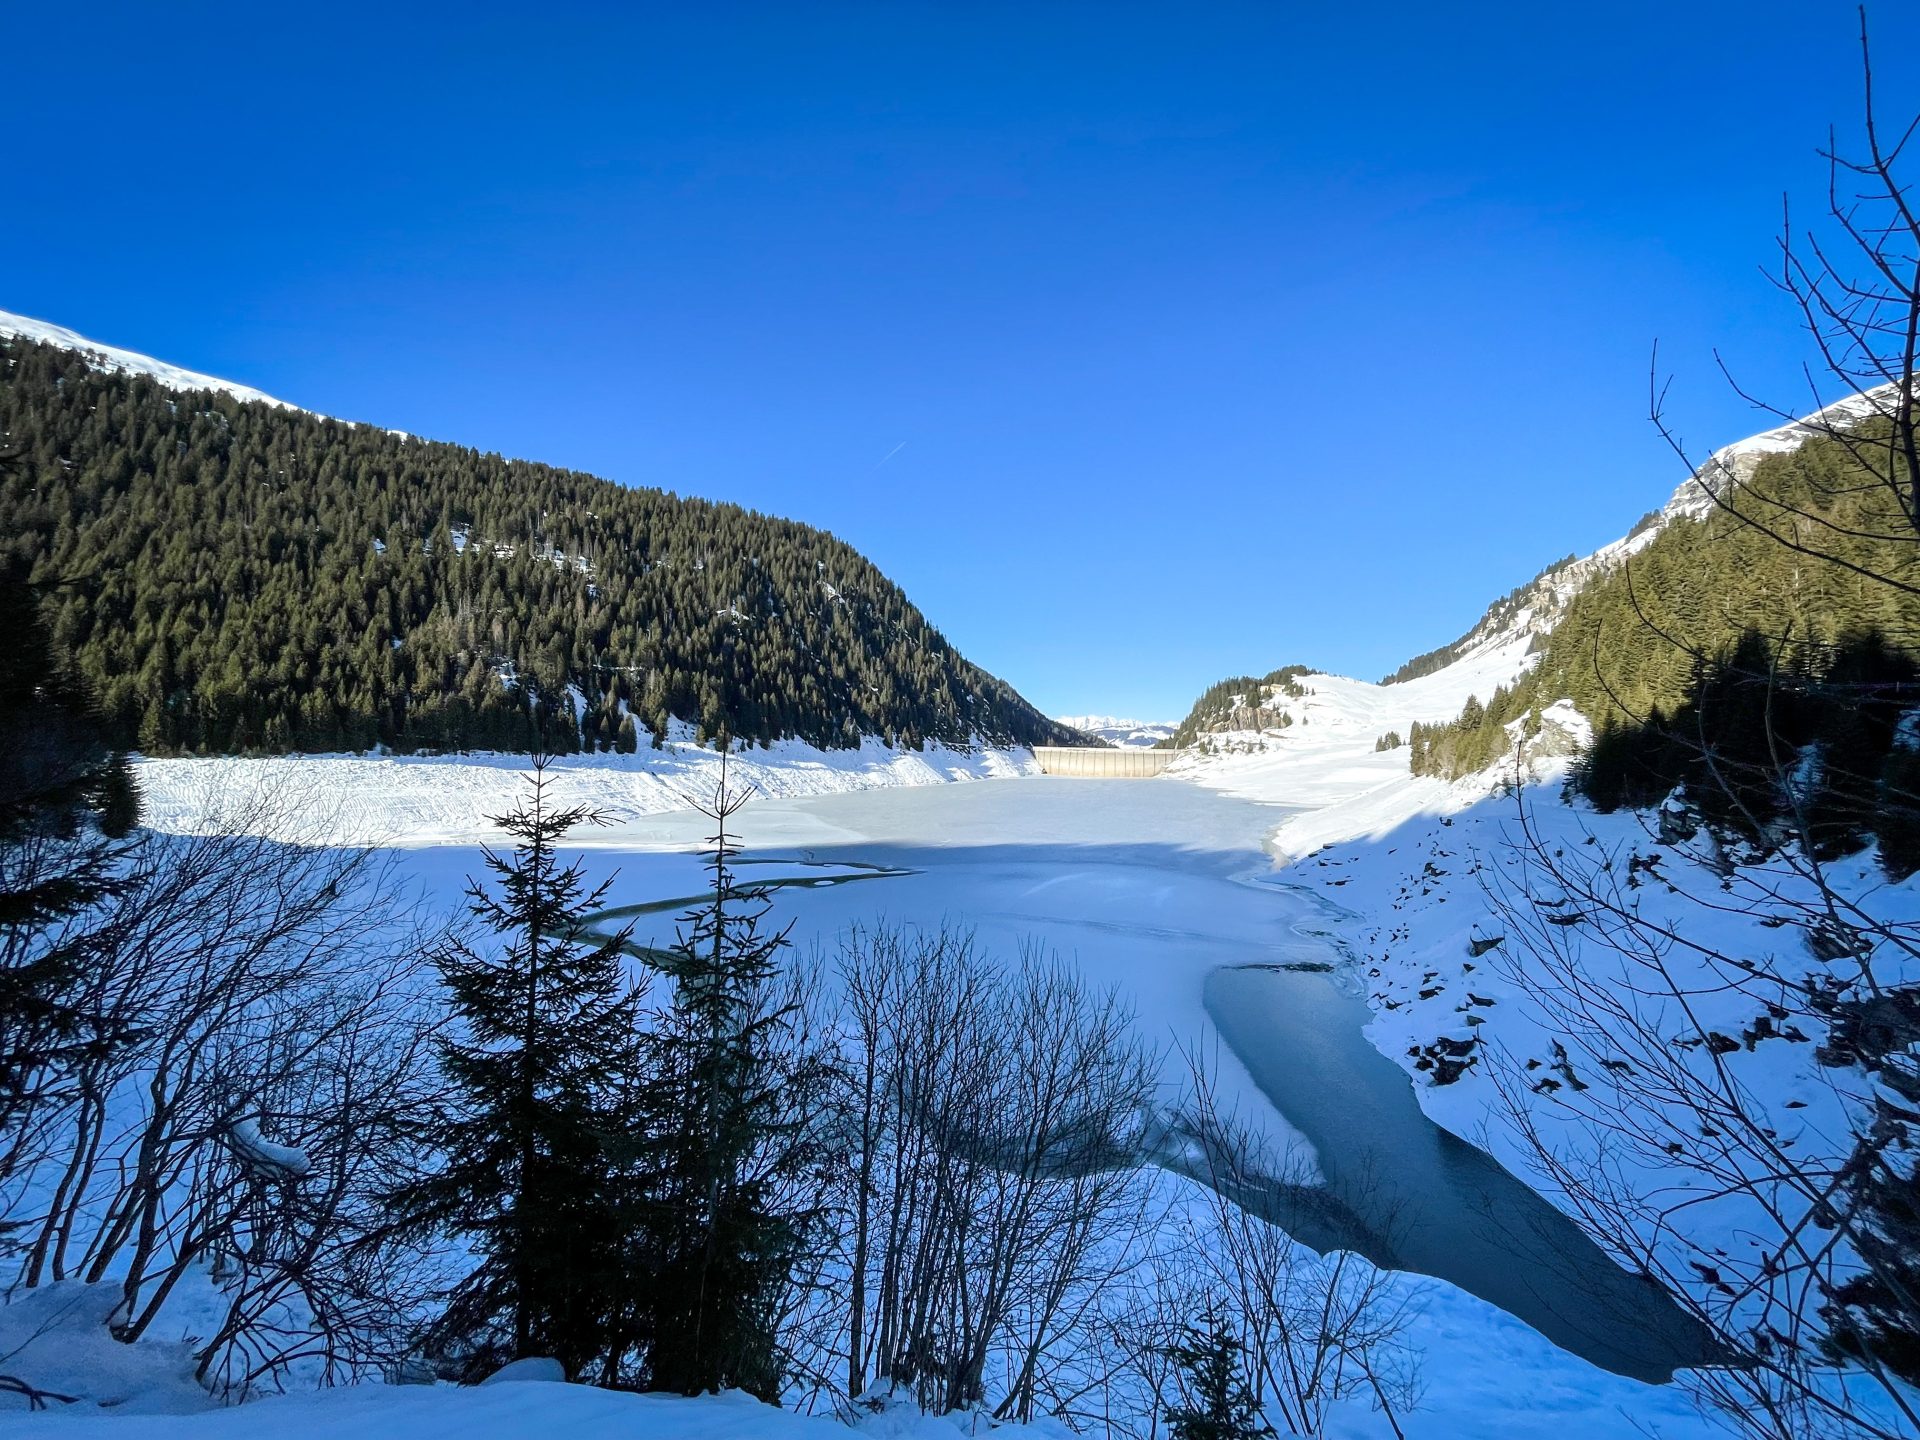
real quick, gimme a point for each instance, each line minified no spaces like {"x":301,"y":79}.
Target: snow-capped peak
{"x":111,"y":357}
{"x":1127,"y":734}
{"x":1734,"y":464}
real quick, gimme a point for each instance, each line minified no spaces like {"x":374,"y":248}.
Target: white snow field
{"x":524,"y":1410}
{"x":414,"y":800}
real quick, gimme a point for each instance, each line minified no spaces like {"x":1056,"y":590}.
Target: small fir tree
{"x":66,"y":799}
{"x":1216,"y":1402}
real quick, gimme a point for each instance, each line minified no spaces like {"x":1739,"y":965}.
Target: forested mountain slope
{"x":234,"y":575}
{"x":1637,"y":638}
{"x":1626,"y":632}
{"x":1243,"y":702}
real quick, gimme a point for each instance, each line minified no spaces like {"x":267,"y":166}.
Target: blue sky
{"x":1141,"y":344}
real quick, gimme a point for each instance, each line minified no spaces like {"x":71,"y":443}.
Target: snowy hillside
{"x":1326,"y":764}
{"x":1325,"y":758}
{"x":1559,"y":982}
{"x":128,"y":362}
{"x":1735,"y":463}
{"x":1532,"y":609}
{"x":1127,"y":734}
{"x":429,"y":643}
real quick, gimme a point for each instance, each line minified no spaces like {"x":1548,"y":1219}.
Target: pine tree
{"x":729,"y":1148}
{"x":66,"y":799}
{"x":1216,"y":1403}
{"x":544,"y":1072}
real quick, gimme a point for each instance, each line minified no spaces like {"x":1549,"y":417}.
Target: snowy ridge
{"x":1126,"y":734}
{"x":1735,"y":463}
{"x":1326,"y":761}
{"x":128,"y":362}
{"x":1537,"y":606}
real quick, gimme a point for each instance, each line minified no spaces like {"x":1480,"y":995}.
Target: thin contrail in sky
{"x":889,"y":455}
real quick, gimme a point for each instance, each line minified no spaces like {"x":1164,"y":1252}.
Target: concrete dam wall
{"x":1089,"y":763}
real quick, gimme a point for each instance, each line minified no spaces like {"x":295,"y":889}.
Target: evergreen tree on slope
{"x":733,"y":1168}
{"x":544,"y":1071}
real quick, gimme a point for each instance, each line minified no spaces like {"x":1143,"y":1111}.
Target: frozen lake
{"x":1164,"y":889}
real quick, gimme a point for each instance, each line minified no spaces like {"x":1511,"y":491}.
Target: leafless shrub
{"x":259,"y":987}
{"x":1666,"y":1133}
{"x":993,"y":1115}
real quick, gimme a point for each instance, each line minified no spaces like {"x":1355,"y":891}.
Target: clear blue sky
{"x":1142,"y":344}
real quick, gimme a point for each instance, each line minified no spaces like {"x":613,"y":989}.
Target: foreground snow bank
{"x":418,"y":800}
{"x":513,"y":1409}
{"x":488,"y":1412}
{"x":54,"y":1338}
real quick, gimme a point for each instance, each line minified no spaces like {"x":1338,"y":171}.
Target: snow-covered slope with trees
{"x":421,"y":597}
{"x":128,"y":362}
{"x":1530,"y":610}
{"x":1321,"y":754}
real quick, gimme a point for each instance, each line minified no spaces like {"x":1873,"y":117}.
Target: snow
{"x":128,"y":362}
{"x":280,"y":1162}
{"x":417,"y":800}
{"x":1325,"y":765}
{"x":485,"y":1412}
{"x":531,"y":1370}
{"x":56,"y":1336}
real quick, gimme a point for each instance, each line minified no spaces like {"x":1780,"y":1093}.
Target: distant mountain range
{"x":1127,"y":734}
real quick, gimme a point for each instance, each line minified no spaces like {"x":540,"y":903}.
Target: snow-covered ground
{"x":522,"y":1410}
{"x":418,"y":800}
{"x":1151,"y":885}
